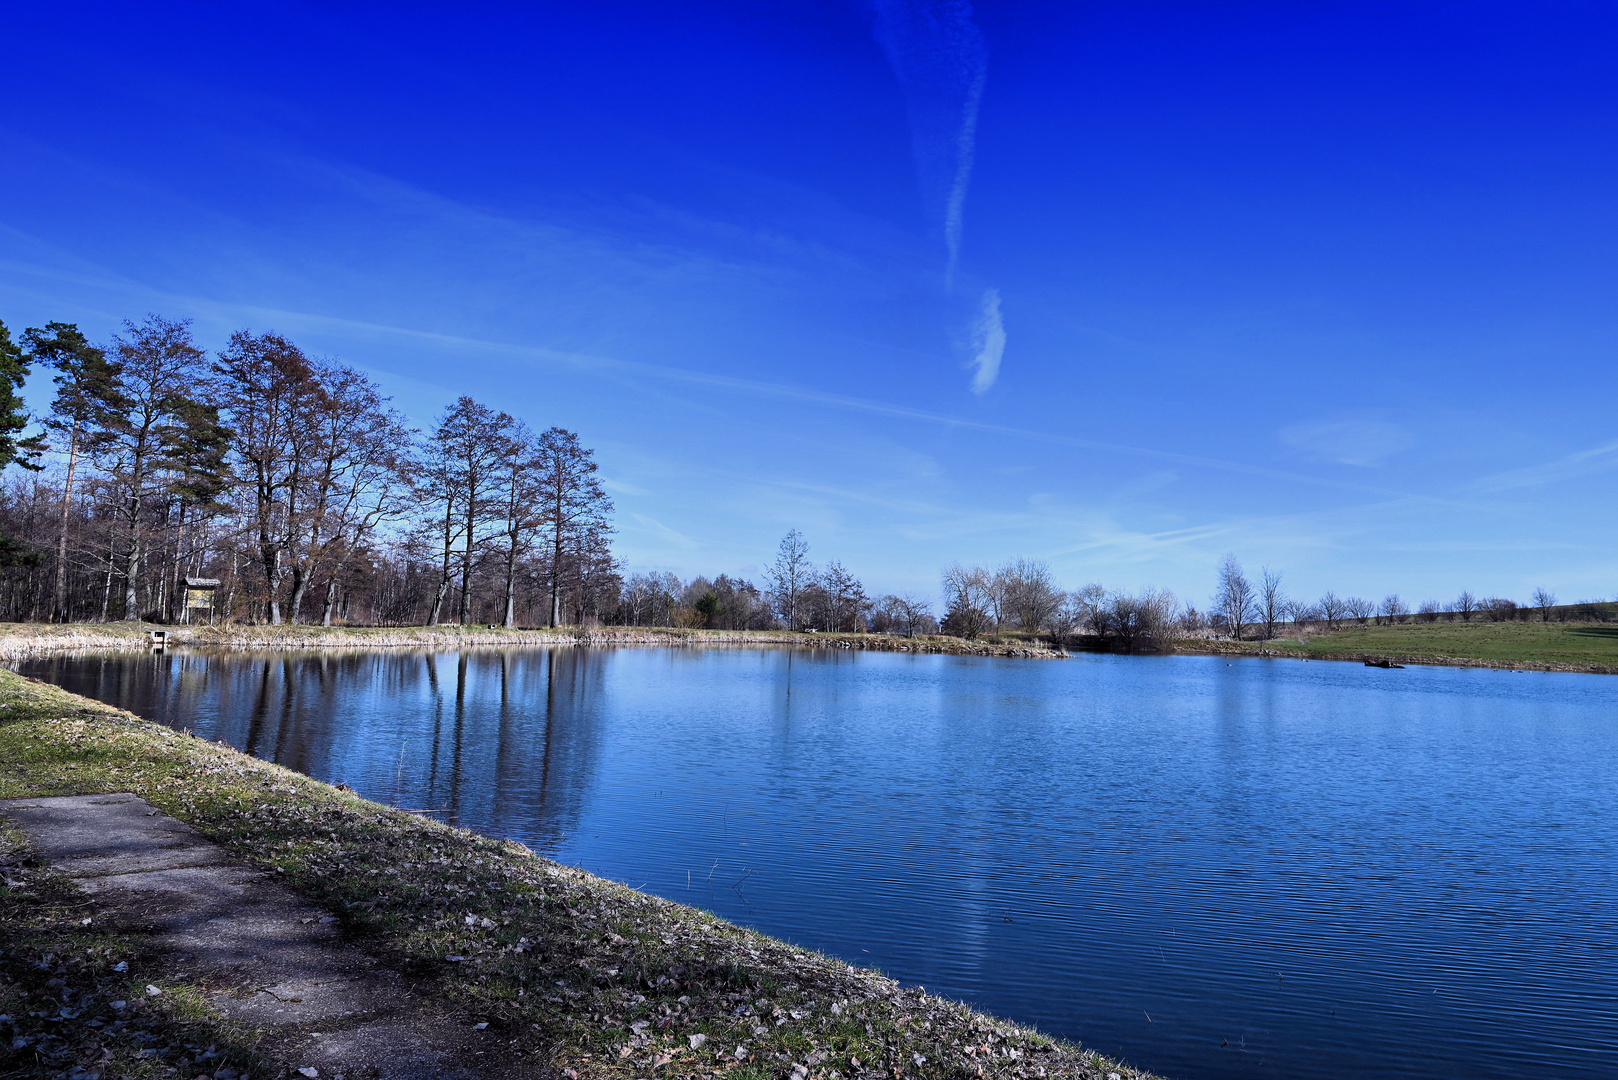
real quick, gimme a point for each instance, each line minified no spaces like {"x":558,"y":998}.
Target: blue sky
{"x":1118,"y":286}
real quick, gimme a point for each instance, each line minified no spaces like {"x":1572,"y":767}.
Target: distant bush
{"x":1499,"y":609}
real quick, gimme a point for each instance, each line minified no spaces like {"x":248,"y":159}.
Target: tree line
{"x":1245,"y":607}
{"x":794,"y":593}
{"x":290,"y":481}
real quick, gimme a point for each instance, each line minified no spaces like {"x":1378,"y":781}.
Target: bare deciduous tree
{"x":576,"y":516}
{"x":1272,"y":602}
{"x":461,"y":475}
{"x":1544,"y":600}
{"x":1234,"y":598}
{"x":1332,"y":609}
{"x":1091,"y":602}
{"x":158,"y":365}
{"x":264,"y":385}
{"x":969,"y":593}
{"x":1064,"y":618}
{"x":1500,"y":609}
{"x":358,"y":480}
{"x":908,"y":612}
{"x":1027,"y":591}
{"x":789,"y":575}
{"x":521,"y":514}
{"x":1466,"y":605}
{"x":1141,"y":623}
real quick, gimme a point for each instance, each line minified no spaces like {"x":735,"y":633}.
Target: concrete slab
{"x":91,"y":835}
{"x":262,"y":953}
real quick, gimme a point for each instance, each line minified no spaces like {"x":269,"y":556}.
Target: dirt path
{"x":262,"y":955}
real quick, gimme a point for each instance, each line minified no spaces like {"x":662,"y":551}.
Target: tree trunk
{"x":437,"y":599}
{"x":177,"y":587}
{"x":443,"y":573}
{"x":230,"y":593}
{"x":59,"y":603}
{"x":272,"y":571}
{"x":106,"y":587}
{"x":329,"y":602}
{"x":556,"y":562}
{"x":511,"y":584}
{"x":556,"y":580}
{"x":466,"y":563}
{"x":300,"y":585}
{"x":131,"y":597}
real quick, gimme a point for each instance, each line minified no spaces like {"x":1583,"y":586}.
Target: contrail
{"x":939,"y":56}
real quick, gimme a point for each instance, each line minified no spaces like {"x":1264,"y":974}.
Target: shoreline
{"x":20,"y":640}
{"x":1282,"y":650}
{"x":23,"y":640}
{"x":570,"y":974}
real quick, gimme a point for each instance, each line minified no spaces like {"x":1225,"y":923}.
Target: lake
{"x":1208,"y":867}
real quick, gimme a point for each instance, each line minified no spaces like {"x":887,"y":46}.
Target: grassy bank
{"x":1587,"y":647}
{"x":29,"y":639}
{"x":580,"y":976}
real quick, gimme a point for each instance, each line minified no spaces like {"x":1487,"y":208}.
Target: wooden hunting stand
{"x":199,"y":593}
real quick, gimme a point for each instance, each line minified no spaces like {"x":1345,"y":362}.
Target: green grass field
{"x":1526,"y":644}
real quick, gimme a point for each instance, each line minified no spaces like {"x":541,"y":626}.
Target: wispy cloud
{"x":665,"y":533}
{"x":940,"y":58}
{"x":622,"y":487}
{"x":989,"y":342}
{"x":1346,"y":441}
{"x":1581,"y":463}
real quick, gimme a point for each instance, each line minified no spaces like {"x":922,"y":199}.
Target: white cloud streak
{"x":989,"y":341}
{"x":1574,"y":466}
{"x":940,"y":58}
{"x":1351,"y":441}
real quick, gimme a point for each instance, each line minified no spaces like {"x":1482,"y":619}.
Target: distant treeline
{"x":1020,"y":597}
{"x":1243,"y":607}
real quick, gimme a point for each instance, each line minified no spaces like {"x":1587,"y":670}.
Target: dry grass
{"x":19,"y":640}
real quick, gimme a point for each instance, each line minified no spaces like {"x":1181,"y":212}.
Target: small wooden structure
{"x":199,"y":594}
{"x":158,"y":639}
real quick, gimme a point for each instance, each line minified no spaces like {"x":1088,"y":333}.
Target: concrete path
{"x":266,"y":957}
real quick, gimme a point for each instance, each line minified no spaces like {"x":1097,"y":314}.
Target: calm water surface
{"x":1213,"y":869}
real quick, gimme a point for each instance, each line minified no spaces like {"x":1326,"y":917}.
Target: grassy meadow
{"x":1565,"y":646}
